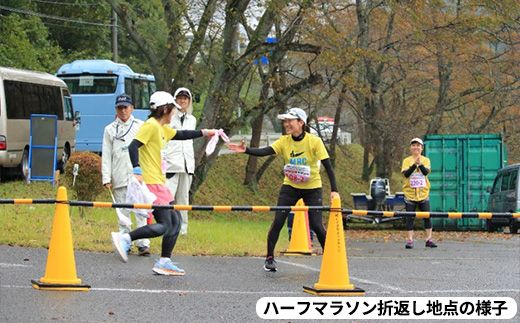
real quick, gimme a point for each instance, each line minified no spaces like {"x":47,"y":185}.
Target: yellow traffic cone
{"x":334,"y":278}
{"x":300,"y":244}
{"x":60,"y":273}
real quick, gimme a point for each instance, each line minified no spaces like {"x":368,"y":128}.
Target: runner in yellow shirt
{"x":303,"y":154}
{"x":148,"y":156}
{"x":417,"y":189}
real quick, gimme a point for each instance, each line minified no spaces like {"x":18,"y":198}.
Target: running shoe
{"x":120,"y":245}
{"x":168,"y":268}
{"x":409,"y":244}
{"x":270,"y":264}
{"x":430,"y":244}
{"x":144,"y":251}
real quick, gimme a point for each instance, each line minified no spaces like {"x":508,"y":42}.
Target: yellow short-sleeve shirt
{"x":154,"y":138}
{"x":420,"y":193}
{"x":307,"y":152}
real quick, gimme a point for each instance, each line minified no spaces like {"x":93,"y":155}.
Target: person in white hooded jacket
{"x":116,"y":167}
{"x":180,"y":155}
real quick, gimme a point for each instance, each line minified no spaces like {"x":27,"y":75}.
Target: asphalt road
{"x":217,"y":289}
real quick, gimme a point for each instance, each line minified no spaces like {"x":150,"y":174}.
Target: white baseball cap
{"x":416,"y":140}
{"x":294,"y":113}
{"x":160,"y":98}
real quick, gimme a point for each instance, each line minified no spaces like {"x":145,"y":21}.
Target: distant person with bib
{"x":180,"y":155}
{"x":303,"y":154}
{"x":415,"y":170}
{"x":148,"y":156}
{"x":116,"y":167}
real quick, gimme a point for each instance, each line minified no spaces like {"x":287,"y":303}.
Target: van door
{"x":495,"y":203}
{"x":504,"y":187}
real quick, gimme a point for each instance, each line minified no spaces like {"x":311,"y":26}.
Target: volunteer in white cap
{"x":303,"y":153}
{"x":116,"y":167}
{"x":180,"y":154}
{"x":148,"y":156}
{"x":416,"y":169}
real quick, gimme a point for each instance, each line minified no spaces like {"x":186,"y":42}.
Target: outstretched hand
{"x":238,"y":148}
{"x":209,"y":132}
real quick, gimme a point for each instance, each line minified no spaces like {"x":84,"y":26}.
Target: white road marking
{"x":4,"y":265}
{"x":364,"y":281}
{"x":170,"y":291}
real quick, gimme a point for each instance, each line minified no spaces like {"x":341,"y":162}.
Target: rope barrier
{"x":450,"y":215}
{"x":260,"y":208}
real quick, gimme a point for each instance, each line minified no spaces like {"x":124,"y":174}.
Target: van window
{"x":23,"y":99}
{"x":496,"y":184}
{"x":513,"y":180}
{"x":505,"y":182}
{"x":69,"y":111}
{"x":139,"y":90}
{"x":91,"y":84}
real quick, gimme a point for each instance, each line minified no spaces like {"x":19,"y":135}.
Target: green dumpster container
{"x":462,"y":167}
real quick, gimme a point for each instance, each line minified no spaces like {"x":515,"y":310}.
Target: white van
{"x":23,"y":93}
{"x":505,"y":197}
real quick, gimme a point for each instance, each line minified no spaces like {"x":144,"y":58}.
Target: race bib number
{"x":164,"y":164}
{"x":417,"y":180}
{"x":297,"y":174}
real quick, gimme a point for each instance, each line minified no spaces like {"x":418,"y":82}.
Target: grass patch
{"x":210,"y":233}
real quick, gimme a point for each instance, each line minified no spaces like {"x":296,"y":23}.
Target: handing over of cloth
{"x":210,"y":148}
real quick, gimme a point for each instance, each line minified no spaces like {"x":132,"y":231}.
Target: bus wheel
{"x":24,"y":165}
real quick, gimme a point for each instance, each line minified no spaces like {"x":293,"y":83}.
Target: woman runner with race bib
{"x":148,"y":157}
{"x":417,"y":189}
{"x":303,"y":153}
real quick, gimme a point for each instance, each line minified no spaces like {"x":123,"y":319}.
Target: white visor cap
{"x":294,"y":113}
{"x":416,"y":140}
{"x":160,"y":98}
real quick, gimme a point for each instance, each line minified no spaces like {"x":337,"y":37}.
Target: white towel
{"x":137,"y":193}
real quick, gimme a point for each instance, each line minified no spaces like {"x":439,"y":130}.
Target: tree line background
{"x":386,"y":71}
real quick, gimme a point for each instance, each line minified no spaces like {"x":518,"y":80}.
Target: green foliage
{"x":25,"y":44}
{"x":87,"y":185}
{"x":79,"y":40}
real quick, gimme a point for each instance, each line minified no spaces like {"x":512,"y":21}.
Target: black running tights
{"x":411,"y":206}
{"x":168,"y":225}
{"x":288,"y":197}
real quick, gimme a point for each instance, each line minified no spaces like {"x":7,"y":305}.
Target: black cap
{"x":124,"y":99}
{"x":183,"y":92}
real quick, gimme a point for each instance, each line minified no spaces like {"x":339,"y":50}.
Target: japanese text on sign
{"x":421,"y":308}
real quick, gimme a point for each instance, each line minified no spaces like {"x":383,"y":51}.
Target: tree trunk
{"x":252,"y":161}
{"x":337,"y":119}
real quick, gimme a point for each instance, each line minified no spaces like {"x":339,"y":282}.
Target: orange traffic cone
{"x":60,"y":273}
{"x":334,"y":278}
{"x":300,"y":244}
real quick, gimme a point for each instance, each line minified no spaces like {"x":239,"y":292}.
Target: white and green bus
{"x":23,"y":93}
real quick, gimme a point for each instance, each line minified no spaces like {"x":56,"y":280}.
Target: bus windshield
{"x":91,"y":84}
{"x":94,"y":86}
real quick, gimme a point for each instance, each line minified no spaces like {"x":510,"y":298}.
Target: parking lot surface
{"x":226,"y":289}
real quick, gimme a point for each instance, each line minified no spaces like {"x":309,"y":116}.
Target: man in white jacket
{"x":180,"y":155}
{"x":116,"y":168}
